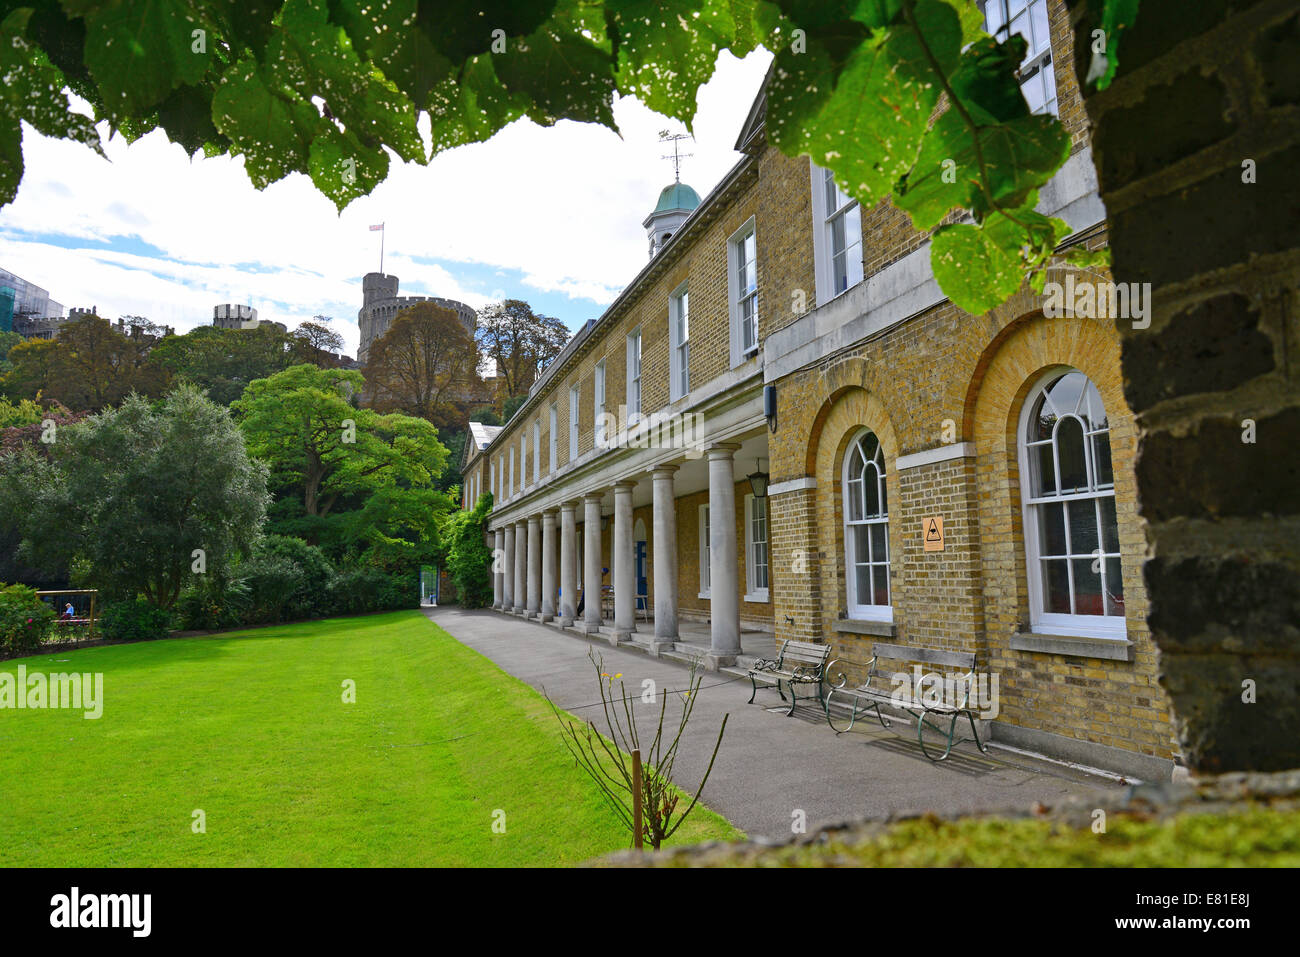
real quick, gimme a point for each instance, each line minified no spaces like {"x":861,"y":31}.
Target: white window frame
{"x":523,"y":458}
{"x":510,"y":476}
{"x":736,"y":297}
{"x":705,"y":574}
{"x":598,"y":405}
{"x":855,"y":608}
{"x":1032,"y":20}
{"x":754,"y":591}
{"x":553,"y":450}
{"x":1056,"y":623}
{"x":634,"y":375}
{"x":537,"y":450}
{"x":573,"y":423}
{"x":823,"y":244}
{"x":679,"y":343}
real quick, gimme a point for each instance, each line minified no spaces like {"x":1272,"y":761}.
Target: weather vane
{"x":677,"y":156}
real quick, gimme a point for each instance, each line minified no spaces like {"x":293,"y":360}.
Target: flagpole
{"x":382,"y":231}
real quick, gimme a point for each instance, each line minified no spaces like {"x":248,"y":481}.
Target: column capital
{"x":551,"y":512}
{"x":626,"y":485}
{"x":593,"y":498}
{"x":570,"y":506}
{"x":663,"y":471}
{"x":722,"y":450}
{"x":535,"y":519}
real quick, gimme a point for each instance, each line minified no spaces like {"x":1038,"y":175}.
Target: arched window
{"x":866,"y":530}
{"x":1071,"y":532}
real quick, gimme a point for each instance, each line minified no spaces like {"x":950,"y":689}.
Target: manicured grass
{"x":251,"y":728}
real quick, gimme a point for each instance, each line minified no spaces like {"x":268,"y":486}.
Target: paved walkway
{"x":770,"y":766}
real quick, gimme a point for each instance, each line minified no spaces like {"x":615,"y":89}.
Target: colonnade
{"x":528,"y":582}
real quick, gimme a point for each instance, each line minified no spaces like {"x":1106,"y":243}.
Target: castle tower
{"x":376,"y":286}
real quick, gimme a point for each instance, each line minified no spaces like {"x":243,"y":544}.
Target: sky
{"x":548,"y":215}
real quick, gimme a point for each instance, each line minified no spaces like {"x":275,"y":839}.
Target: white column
{"x":548,"y":565}
{"x":568,"y":564}
{"x":521,"y":557}
{"x":508,"y":571}
{"x":624,"y":565}
{"x":724,"y":601}
{"x":591,"y":577}
{"x":665,"y":552}
{"x":498,"y":567}
{"x":534,"y":565}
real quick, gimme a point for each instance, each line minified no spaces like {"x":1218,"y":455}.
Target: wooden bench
{"x":797,"y":663}
{"x":919,"y":703}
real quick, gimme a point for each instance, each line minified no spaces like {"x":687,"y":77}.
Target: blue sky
{"x":551,"y":216}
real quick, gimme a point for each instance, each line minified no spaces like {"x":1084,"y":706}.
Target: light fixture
{"x":758,"y":482}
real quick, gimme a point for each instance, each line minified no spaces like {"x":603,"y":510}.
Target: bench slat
{"x":930,"y":656}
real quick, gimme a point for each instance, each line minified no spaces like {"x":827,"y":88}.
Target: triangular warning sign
{"x":932,"y":532}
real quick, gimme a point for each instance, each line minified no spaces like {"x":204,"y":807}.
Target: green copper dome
{"x":677,"y":196}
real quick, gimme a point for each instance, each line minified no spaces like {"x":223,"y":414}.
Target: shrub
{"x":469,"y":560}
{"x":135,"y":620}
{"x":25,"y":620}
{"x":289,"y":579}
{"x":362,"y":589}
{"x":211,"y":605}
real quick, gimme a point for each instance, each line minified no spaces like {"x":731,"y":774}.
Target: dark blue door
{"x":641,"y":586}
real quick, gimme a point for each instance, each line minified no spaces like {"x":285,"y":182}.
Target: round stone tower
{"x":381,"y":304}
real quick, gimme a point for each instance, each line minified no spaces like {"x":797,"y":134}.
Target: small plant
{"x":615,"y":769}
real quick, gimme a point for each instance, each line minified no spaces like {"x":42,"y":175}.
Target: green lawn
{"x":251,"y":728}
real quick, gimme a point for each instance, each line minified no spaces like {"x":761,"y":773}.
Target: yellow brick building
{"x":755,"y":440}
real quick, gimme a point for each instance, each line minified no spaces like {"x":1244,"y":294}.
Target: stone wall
{"x":1197,"y":143}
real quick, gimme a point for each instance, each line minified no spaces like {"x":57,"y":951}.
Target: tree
{"x":317,"y":343}
{"x":223,"y":361}
{"x":468,"y":558}
{"x":424,"y":359}
{"x":141,"y":499}
{"x":302,"y":422}
{"x":856,"y":87}
{"x":519,"y":341}
{"x":88,"y":365}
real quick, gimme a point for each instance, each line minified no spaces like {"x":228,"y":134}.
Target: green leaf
{"x":979,"y":267}
{"x":11,"y":158}
{"x":32,"y":91}
{"x":461,"y":29}
{"x":1118,"y":16}
{"x":186,"y":118}
{"x":381,"y":34}
{"x":565,"y":75}
{"x":1018,"y":158}
{"x":473,"y":107}
{"x":342,"y":168}
{"x":316,"y":58}
{"x":867,"y":129}
{"x":667,"y":49}
{"x":138,"y":51}
{"x":270,"y":125}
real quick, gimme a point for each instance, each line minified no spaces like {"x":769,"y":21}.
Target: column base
{"x":564,"y":622}
{"x":661,"y":645}
{"x":617,"y":637}
{"x":714,"y":662}
{"x":546,"y":617}
{"x":590,"y":628}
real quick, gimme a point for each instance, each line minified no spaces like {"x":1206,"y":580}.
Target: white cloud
{"x":563,"y":206}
